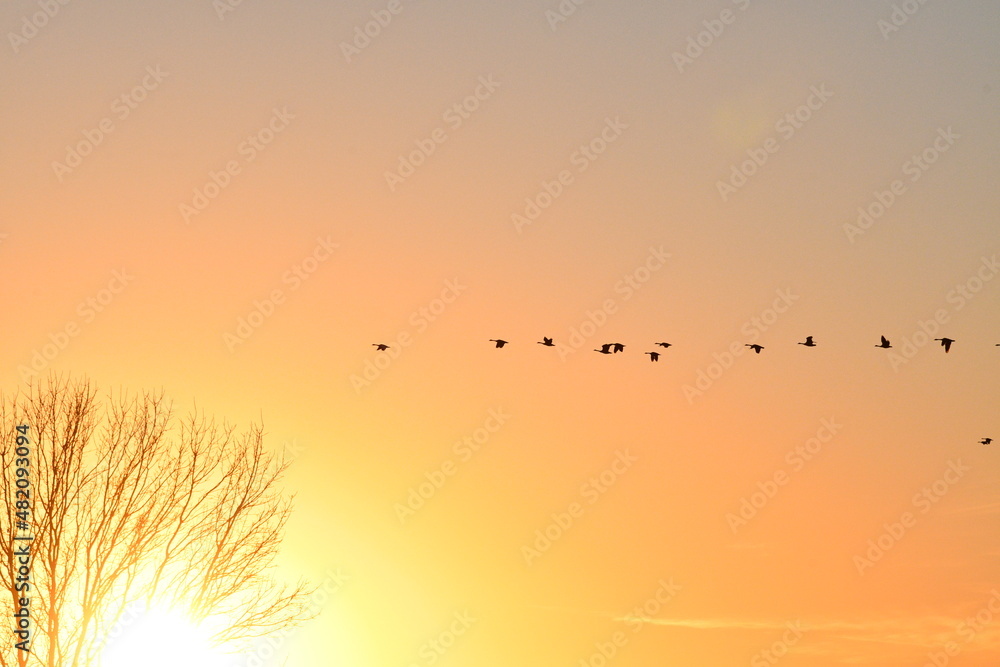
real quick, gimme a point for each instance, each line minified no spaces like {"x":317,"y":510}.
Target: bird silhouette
{"x":664,"y":344}
{"x":499,"y":342}
{"x":986,"y":441}
{"x":809,"y":342}
{"x":546,"y":341}
{"x":755,"y":348}
{"x":946,"y":343}
{"x":654,"y":356}
{"x":380,"y":346}
{"x":884,"y":344}
{"x":619,"y":347}
{"x":605,"y":349}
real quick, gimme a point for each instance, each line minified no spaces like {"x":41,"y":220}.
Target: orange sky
{"x":232,"y":202}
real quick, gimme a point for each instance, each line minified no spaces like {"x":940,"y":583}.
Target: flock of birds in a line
{"x":612,"y":348}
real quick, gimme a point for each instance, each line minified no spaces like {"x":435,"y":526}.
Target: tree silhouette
{"x":132,"y":508}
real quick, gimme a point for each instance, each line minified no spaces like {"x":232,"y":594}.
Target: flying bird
{"x":546,"y":341}
{"x":605,"y":349}
{"x":809,"y":342}
{"x":654,"y":356}
{"x":619,"y":347}
{"x":380,"y":346}
{"x":986,"y":441}
{"x":884,"y":344}
{"x":755,"y":348}
{"x":499,"y":342}
{"x":664,"y":344}
{"x":946,"y":343}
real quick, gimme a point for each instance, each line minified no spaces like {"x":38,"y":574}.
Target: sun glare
{"x":162,"y":639}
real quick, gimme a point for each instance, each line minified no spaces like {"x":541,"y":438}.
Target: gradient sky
{"x":335,"y":126}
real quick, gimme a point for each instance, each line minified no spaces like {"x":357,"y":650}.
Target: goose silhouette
{"x":663,"y":344}
{"x":809,"y":342}
{"x":946,"y":343}
{"x":755,"y":348}
{"x":884,"y":344}
{"x":380,"y":346}
{"x":605,"y":349}
{"x":986,"y":441}
{"x":546,"y":342}
{"x":619,"y":347}
{"x":498,"y":341}
{"x":654,"y":356}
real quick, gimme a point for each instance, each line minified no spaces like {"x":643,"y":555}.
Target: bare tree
{"x":130,"y":506}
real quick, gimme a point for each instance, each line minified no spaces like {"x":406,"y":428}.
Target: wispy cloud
{"x":707,"y":623}
{"x":749,"y":546}
{"x":974,"y":510}
{"x":832,"y":638}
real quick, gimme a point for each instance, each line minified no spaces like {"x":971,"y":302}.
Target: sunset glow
{"x":237,"y":203}
{"x":162,"y":639}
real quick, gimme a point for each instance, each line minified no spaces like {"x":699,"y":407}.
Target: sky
{"x":233,"y":201}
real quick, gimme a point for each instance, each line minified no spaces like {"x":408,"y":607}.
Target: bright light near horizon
{"x":162,"y":639}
